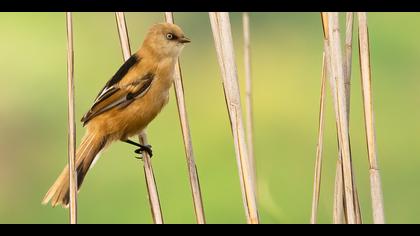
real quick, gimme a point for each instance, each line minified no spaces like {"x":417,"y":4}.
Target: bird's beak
{"x":184,"y":40}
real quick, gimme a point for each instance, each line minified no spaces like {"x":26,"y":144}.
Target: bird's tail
{"x":89,"y":148}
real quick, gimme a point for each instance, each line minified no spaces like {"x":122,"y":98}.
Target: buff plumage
{"x":129,"y":101}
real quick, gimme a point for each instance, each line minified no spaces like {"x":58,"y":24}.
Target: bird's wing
{"x":121,"y":73}
{"x":116,"y":94}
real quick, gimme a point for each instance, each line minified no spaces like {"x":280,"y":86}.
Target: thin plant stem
{"x":347,"y":84}
{"x":248,"y":98}
{"x":186,"y":134}
{"x":338,"y":204}
{"x":71,"y":121}
{"x":319,"y":148}
{"x":343,"y":133}
{"x":365,"y":69}
{"x":339,"y":200}
{"x":348,"y":58}
{"x":148,"y":169}
{"x":222,"y":34}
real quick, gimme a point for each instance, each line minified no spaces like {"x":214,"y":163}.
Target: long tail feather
{"x":90,"y":147}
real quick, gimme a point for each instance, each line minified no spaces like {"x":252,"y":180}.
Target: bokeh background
{"x":286,"y":67}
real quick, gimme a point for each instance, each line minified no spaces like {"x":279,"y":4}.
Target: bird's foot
{"x":142,"y":149}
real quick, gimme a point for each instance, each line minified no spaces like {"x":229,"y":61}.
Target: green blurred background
{"x":286,"y":64}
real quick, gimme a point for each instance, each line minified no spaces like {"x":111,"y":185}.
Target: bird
{"x":127,"y":103}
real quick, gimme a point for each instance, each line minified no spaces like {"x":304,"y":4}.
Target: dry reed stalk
{"x":222,"y":34}
{"x":336,"y":64}
{"x":151,"y":183}
{"x":123,"y":34}
{"x":71,"y":121}
{"x":248,"y":96}
{"x":339,"y":199}
{"x":348,"y":58}
{"x":347,"y":84}
{"x":338,"y":206}
{"x":339,"y":216}
{"x":148,"y":169}
{"x":319,"y":147}
{"x":186,"y":134}
{"x":365,"y":69}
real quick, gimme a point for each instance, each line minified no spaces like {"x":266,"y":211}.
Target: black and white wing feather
{"x":115,"y":94}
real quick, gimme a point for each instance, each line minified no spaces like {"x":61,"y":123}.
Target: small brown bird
{"x":130,"y":100}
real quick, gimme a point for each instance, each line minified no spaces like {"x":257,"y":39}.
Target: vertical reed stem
{"x":340,"y":203}
{"x":222,"y":34}
{"x":365,"y":69}
{"x":338,"y":208}
{"x":319,"y":148}
{"x":343,"y":133}
{"x":186,"y":134}
{"x":148,"y":170}
{"x":71,"y":121}
{"x":347,"y":85}
{"x":152,"y":190}
{"x":348,"y":58}
{"x":339,"y":200}
{"x":248,"y":99}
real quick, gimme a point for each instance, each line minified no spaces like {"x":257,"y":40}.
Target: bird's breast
{"x":130,"y":120}
{"x":143,"y":110}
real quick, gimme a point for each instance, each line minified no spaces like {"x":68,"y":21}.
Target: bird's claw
{"x":144,"y":148}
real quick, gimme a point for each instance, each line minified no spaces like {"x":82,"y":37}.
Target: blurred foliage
{"x":286,"y":66}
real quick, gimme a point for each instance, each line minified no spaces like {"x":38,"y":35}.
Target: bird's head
{"x":165,"y":40}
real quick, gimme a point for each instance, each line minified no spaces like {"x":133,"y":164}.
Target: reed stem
{"x":365,"y":69}
{"x":148,"y":169}
{"x":319,"y":147}
{"x":337,"y":71}
{"x":71,"y":121}
{"x":347,"y":84}
{"x":248,"y":100}
{"x":222,"y":34}
{"x":186,"y":134}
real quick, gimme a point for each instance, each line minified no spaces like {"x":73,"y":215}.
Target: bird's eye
{"x":169,"y":36}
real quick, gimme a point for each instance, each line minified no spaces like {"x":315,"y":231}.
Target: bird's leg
{"x":142,"y":148}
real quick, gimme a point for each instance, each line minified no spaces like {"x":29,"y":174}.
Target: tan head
{"x":165,"y":40}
